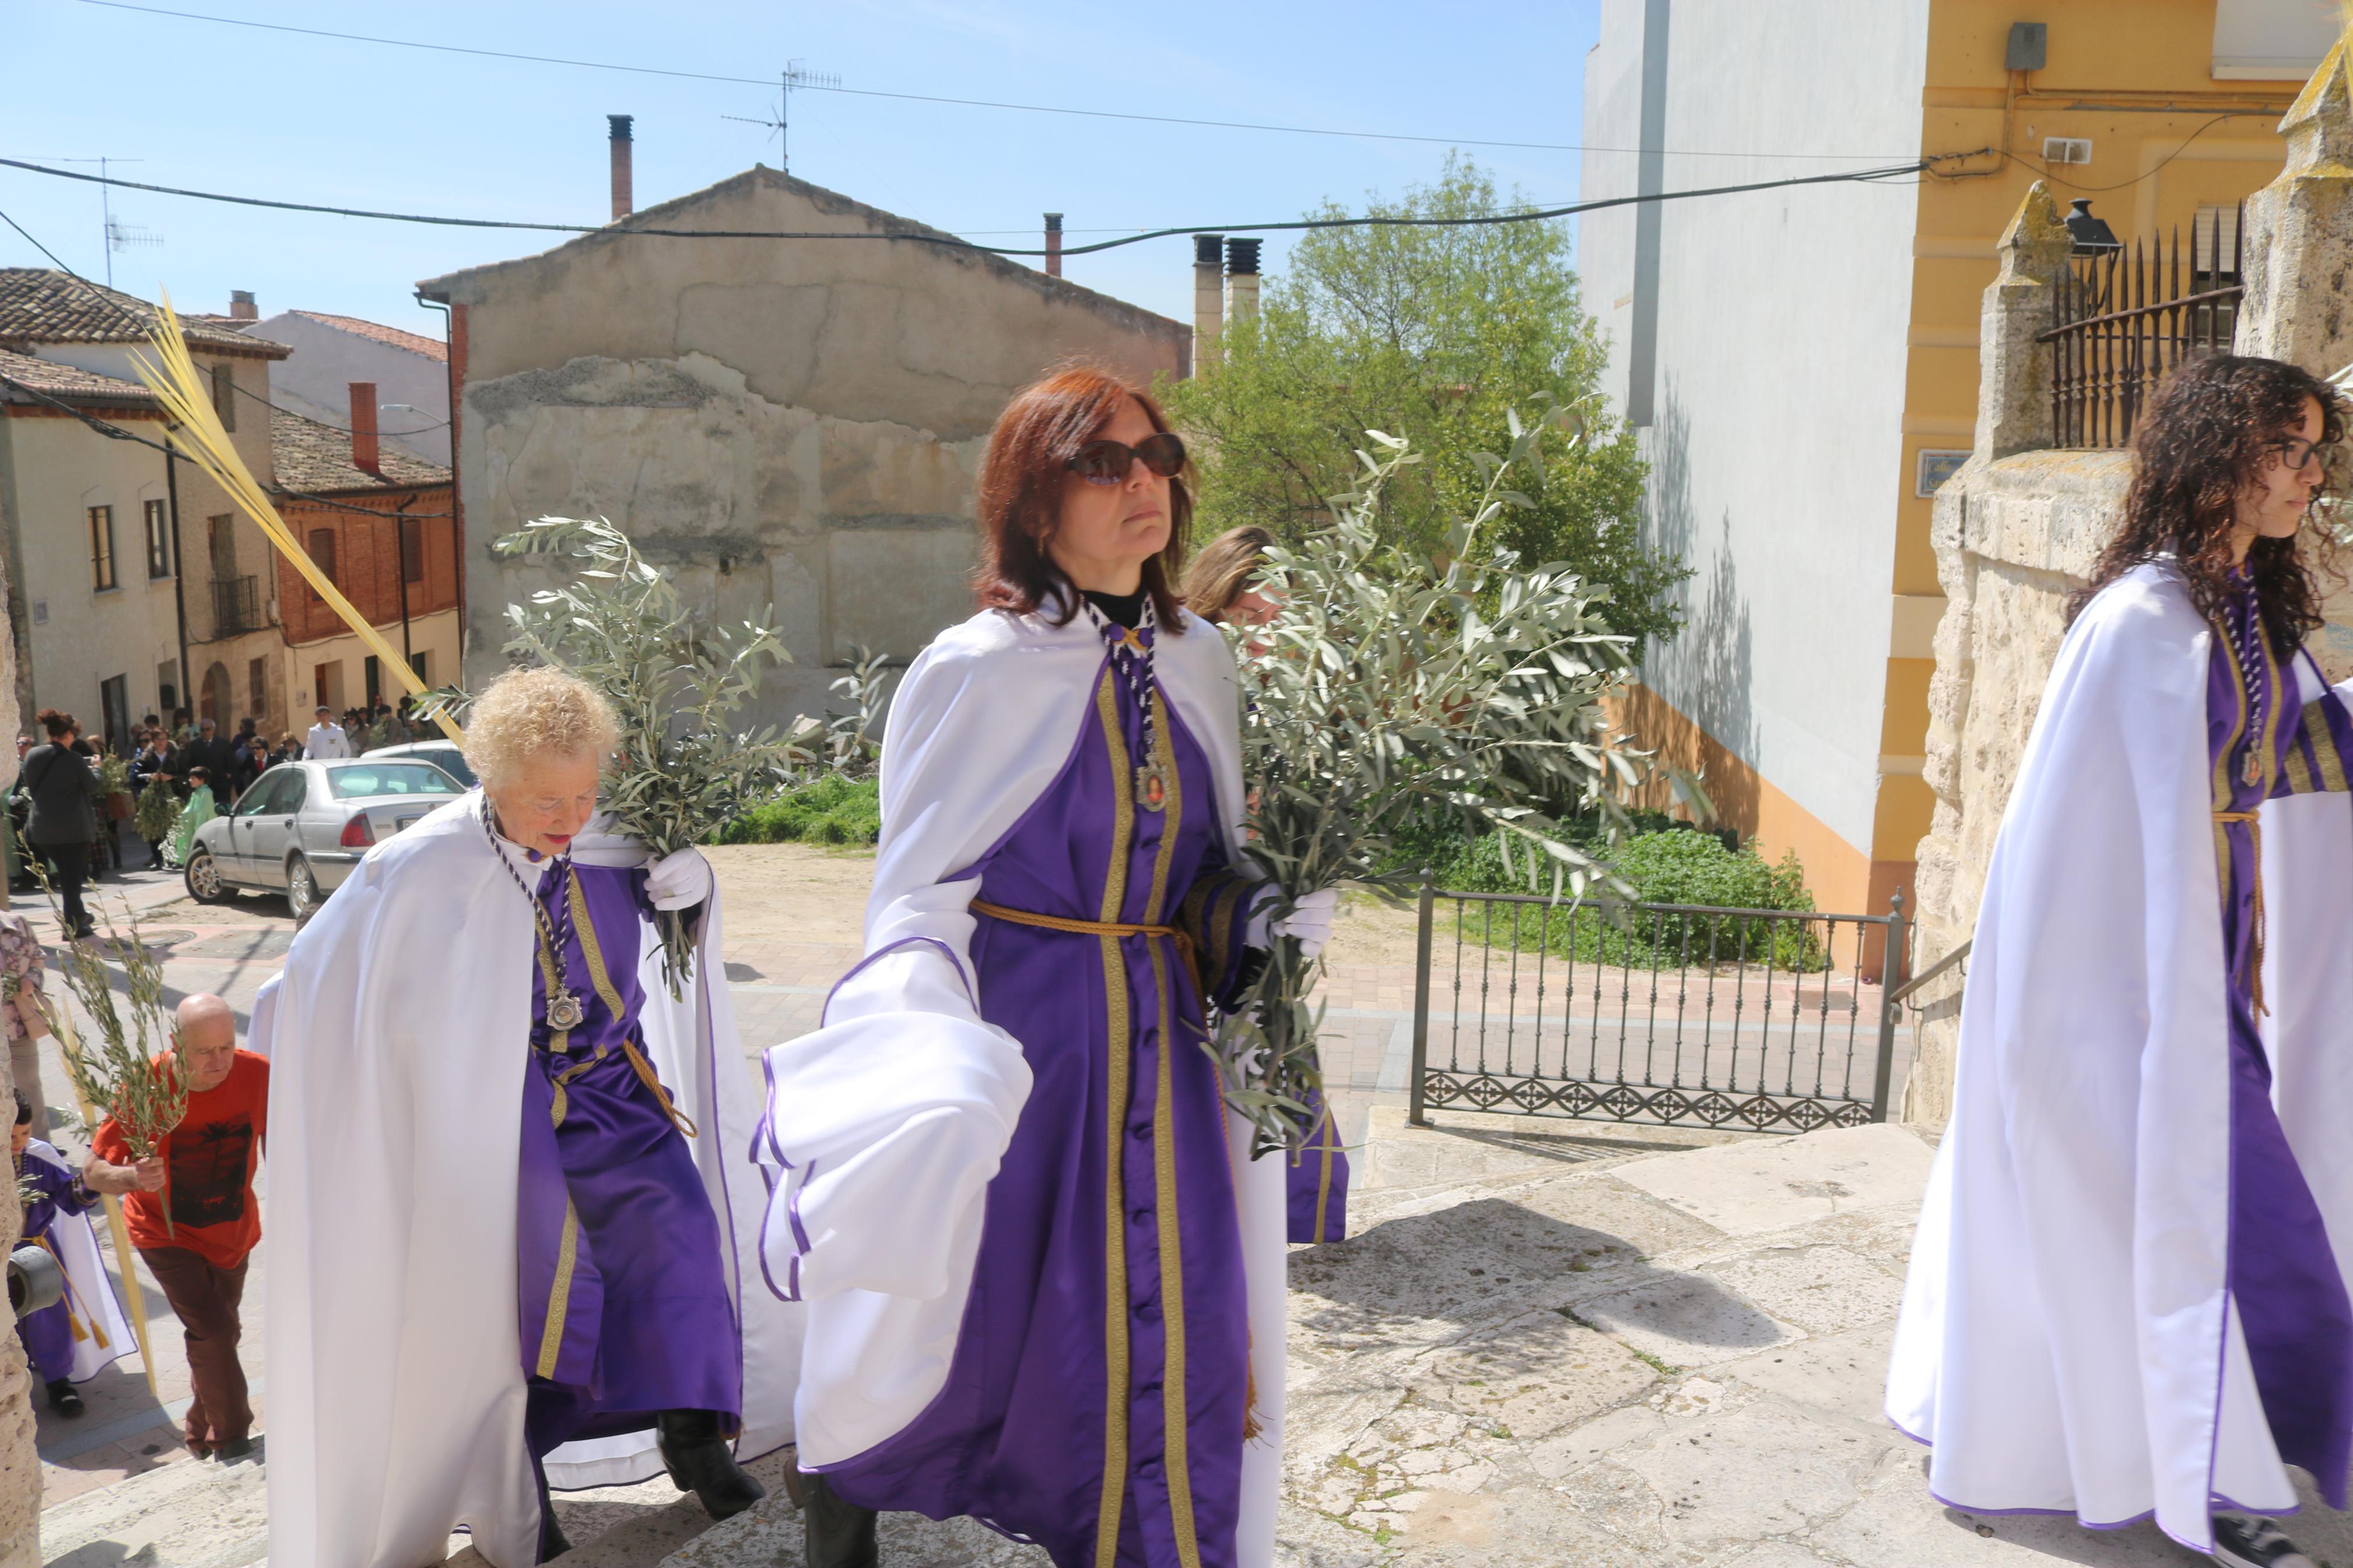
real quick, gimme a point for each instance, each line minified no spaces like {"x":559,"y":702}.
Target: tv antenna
{"x":795,"y":75}
{"x":117,"y":237}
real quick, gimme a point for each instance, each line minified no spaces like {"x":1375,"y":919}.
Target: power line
{"x":2044,"y":169}
{"x":52,"y":255}
{"x":816,"y":86}
{"x":951,"y":242}
{"x":114,"y":432}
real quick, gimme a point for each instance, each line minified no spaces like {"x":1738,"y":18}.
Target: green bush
{"x":1676,"y":865}
{"x":830,"y":810}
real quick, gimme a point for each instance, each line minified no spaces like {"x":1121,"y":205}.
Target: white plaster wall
{"x":1776,"y":453}
{"x":62,"y":467}
{"x":316,"y":381}
{"x":1605,"y":240}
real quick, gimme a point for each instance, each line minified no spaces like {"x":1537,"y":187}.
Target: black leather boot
{"x":835,"y":1533}
{"x":698,"y":1462}
{"x":553,"y":1544}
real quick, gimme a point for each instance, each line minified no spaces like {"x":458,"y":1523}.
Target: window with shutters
{"x":159,"y":540}
{"x":225,"y":396}
{"x":412,"y":550}
{"x":102,"y":548}
{"x":322,"y":552}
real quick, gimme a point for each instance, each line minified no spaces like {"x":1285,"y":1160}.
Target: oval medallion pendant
{"x":2252,"y":773}
{"x":564,"y":1011}
{"x":1151,"y":788}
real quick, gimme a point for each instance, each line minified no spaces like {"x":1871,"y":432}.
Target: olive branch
{"x":1390,"y":686}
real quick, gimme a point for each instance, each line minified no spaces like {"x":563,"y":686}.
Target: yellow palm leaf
{"x":195,"y":429}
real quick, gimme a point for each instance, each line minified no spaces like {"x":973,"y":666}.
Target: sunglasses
{"x":1108,"y":462}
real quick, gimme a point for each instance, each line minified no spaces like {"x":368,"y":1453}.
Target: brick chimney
{"x":241,"y":307}
{"x":1053,"y":245}
{"x":1242,"y":279}
{"x":624,"y":202}
{"x":365,"y":455}
{"x":1208,"y":299}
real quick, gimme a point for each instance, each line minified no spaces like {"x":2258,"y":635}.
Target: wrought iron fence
{"x":1770,"y":1020}
{"x":2121,"y":317}
{"x":237,"y":606}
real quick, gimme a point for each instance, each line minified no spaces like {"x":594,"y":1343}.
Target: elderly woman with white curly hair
{"x":511,"y":1218}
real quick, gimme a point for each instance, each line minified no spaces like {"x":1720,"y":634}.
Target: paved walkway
{"x":1532,"y":1323}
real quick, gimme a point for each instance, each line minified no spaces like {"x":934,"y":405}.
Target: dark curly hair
{"x":2201,"y":442}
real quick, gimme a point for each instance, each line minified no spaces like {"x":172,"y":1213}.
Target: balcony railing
{"x":237,"y":606}
{"x":2122,"y":319}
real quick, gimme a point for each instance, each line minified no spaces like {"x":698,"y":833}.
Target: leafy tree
{"x":1426,"y":333}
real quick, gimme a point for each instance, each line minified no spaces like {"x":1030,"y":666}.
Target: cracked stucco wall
{"x":795,"y":422}
{"x":857,"y":532}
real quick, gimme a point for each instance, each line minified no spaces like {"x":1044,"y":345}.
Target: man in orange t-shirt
{"x":205,"y":1170}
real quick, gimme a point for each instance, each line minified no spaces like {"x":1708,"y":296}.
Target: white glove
{"x":678,"y":882}
{"x":1310,"y":919}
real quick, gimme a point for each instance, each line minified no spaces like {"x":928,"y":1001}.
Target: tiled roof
{"x":40,"y":305}
{"x":65,"y":382}
{"x":316,"y":458}
{"x":414,"y":343}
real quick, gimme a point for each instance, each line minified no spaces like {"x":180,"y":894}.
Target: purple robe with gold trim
{"x":625,"y":1310}
{"x":2283,"y":1274}
{"x":1124,"y":1121}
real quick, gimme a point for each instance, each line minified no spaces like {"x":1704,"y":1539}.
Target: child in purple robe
{"x":48,"y":1190}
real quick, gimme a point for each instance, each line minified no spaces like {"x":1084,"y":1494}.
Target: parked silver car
{"x":302,"y":827}
{"x":442,"y":754}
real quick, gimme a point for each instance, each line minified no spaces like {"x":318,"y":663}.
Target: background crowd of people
{"x":65,"y":810}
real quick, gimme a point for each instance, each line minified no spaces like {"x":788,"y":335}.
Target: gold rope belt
{"x":2255,"y":948}
{"x":1183,"y":939}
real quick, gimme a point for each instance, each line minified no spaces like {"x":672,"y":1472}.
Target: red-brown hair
{"x":1021,"y":479}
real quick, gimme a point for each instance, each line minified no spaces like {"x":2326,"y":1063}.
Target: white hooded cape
{"x":2066,"y":1343}
{"x":398,"y":1038}
{"x":89,"y":1295}
{"x":905,"y":1100}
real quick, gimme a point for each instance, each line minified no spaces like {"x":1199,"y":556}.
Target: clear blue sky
{"x":308,"y":118}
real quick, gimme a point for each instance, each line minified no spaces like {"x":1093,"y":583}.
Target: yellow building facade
{"x":2161,"y":112}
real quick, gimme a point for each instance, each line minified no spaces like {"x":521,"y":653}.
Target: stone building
{"x":110,"y":621}
{"x":793,"y":422}
{"x":2017,"y":527}
{"x":1801,"y":363}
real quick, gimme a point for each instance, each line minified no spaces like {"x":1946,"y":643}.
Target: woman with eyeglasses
{"x":1044,"y":1274}
{"x":2124,"y":1298}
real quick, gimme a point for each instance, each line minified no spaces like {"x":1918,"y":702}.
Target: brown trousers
{"x":205,"y":1298}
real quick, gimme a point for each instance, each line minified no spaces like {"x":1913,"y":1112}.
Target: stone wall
{"x":788,"y":424}
{"x":2015,"y":538}
{"x":857,"y":532}
{"x":20,"y":1466}
{"x":2017,"y":528}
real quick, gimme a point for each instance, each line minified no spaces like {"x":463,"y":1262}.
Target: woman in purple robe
{"x":578,"y":1186}
{"x":2124,"y":1298}
{"x":1042,"y":1269}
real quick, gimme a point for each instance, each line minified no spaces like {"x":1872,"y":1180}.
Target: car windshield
{"x":372,"y":779}
{"x":451,"y":760}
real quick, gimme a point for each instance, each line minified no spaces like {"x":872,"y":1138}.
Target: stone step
{"x":769,"y":1536}
{"x":193,"y":1513}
